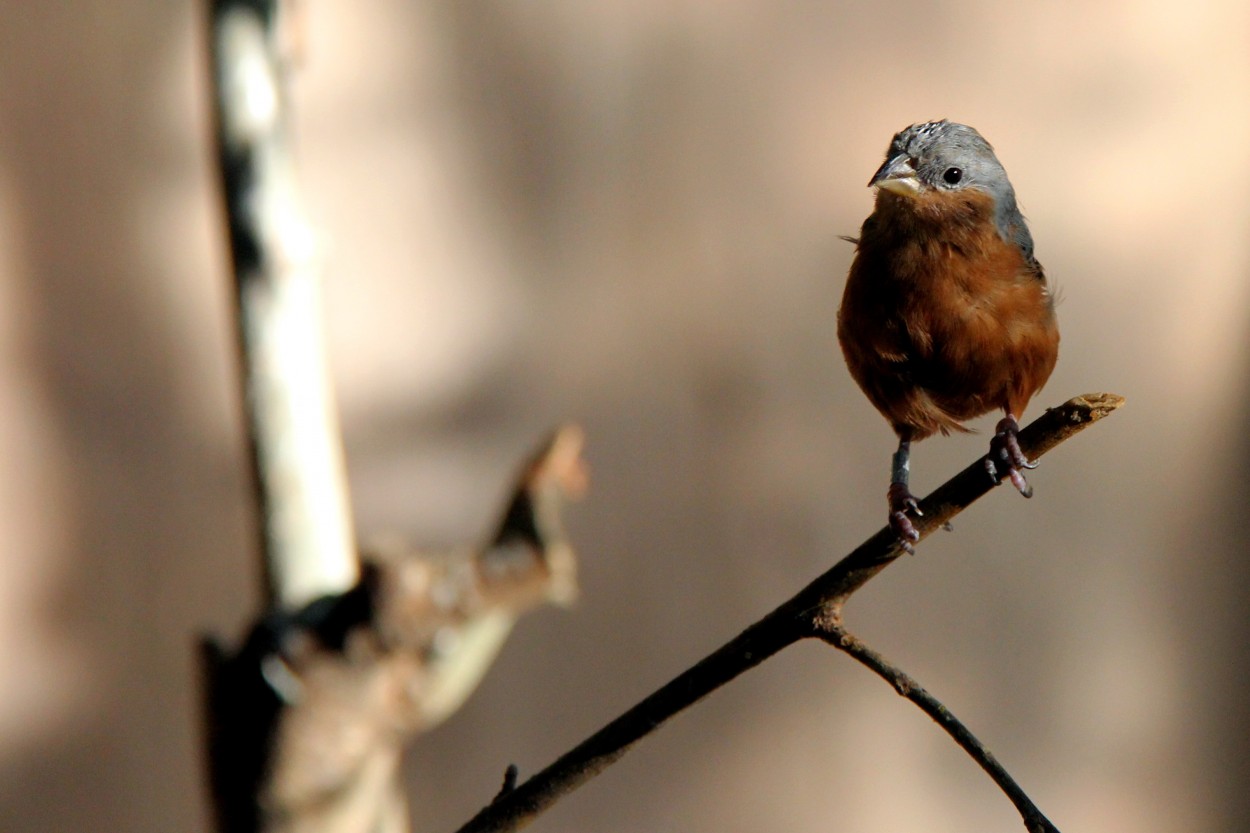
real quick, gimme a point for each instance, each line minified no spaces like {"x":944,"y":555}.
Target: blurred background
{"x":627,"y":214}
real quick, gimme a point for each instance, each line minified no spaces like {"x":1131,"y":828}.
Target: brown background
{"x":627,"y":213}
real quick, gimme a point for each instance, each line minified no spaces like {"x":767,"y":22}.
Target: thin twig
{"x":1034,"y":820}
{"x":814,"y":611}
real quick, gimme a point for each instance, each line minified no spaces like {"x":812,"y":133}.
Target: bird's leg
{"x":900,"y":497}
{"x":1006,"y":459}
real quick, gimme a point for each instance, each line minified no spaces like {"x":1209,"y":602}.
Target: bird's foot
{"x":901,"y":502}
{"x":1005,"y":459}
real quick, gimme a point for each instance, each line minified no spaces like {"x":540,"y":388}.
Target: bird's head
{"x":942,"y":158}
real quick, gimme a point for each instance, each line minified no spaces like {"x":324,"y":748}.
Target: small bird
{"x":946,"y":314}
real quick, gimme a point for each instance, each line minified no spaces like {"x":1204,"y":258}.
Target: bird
{"x":947,"y":314}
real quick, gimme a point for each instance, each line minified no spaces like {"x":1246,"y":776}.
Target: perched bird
{"x":946,"y":314}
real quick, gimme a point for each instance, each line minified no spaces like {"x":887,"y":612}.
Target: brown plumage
{"x":946,"y":314}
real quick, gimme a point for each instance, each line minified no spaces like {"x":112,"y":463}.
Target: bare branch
{"x":296,"y":452}
{"x":815,"y":611}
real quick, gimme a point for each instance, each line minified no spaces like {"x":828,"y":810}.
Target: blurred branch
{"x":815,"y":611}
{"x":307,"y":719}
{"x":310,"y":715}
{"x":456,"y":609}
{"x":296,"y":453}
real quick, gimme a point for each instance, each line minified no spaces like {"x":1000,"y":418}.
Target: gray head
{"x":943,"y":156}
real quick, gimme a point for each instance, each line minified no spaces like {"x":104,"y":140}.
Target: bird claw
{"x":901,"y":502}
{"x":1005,"y":453}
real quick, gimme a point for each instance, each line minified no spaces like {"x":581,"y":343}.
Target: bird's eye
{"x":952,"y":176}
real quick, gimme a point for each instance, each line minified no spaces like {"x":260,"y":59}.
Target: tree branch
{"x":307,"y":718}
{"x":815,"y":611}
{"x":296,"y":453}
{"x":351,"y":657}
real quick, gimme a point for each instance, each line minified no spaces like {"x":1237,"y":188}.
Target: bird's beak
{"x":896,"y":175}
